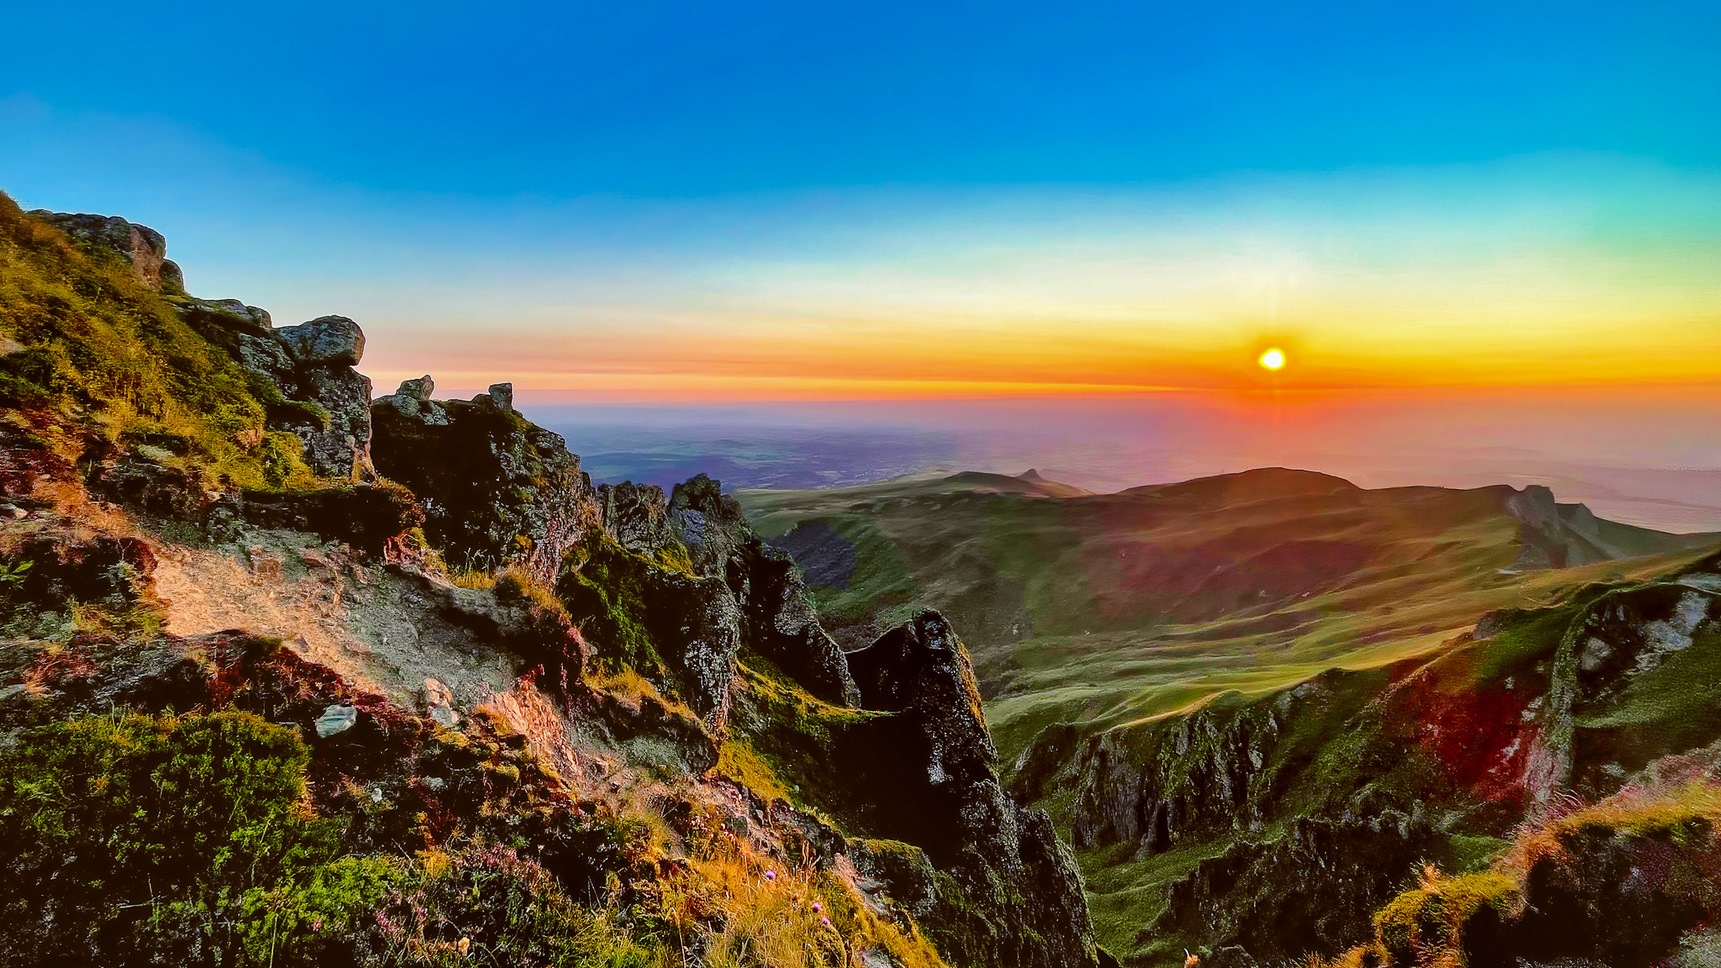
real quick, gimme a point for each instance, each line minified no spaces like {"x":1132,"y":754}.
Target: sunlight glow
{"x":1273,"y":359}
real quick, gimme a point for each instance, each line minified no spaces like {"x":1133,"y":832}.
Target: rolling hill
{"x":1137,"y":604}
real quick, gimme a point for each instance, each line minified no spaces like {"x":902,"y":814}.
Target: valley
{"x":1209,"y":684}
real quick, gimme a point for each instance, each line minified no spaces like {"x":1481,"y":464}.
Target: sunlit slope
{"x":1112,"y":608}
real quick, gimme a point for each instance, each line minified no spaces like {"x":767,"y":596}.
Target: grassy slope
{"x":1064,"y":628}
{"x":1114,"y":608}
{"x":90,"y":357}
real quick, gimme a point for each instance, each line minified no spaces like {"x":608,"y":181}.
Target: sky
{"x":738,"y":204}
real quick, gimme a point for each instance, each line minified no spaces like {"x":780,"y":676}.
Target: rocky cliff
{"x":450,"y":700}
{"x":1285,"y":824}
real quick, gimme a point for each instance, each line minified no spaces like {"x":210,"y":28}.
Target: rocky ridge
{"x":1367,"y":776}
{"x":606,"y":641}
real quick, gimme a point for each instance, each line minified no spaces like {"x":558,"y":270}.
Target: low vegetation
{"x":88,"y":355}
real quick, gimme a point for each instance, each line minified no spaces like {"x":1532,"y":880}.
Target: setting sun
{"x":1273,"y":359}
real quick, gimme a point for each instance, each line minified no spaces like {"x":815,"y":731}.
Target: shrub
{"x":147,"y":832}
{"x":486,"y":905}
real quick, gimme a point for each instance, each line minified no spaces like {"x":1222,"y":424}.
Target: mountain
{"x":1260,"y":703}
{"x":292,"y":675}
{"x":1142,"y":602}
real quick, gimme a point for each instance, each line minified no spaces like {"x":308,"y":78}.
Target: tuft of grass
{"x":1429,"y":920}
{"x":747,"y":911}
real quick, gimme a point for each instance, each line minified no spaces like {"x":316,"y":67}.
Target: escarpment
{"x":1373,"y":778}
{"x":483,"y":684}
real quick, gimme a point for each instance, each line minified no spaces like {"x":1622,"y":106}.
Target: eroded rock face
{"x":1021,"y":900}
{"x":140,"y":245}
{"x":496,"y":488}
{"x":1258,"y":895}
{"x":709,"y":523}
{"x":698,"y":623}
{"x":1160,"y":786}
{"x":636,"y":516}
{"x":783,"y":626}
{"x":1624,"y":636}
{"x":780,"y":621}
{"x":341,"y":448}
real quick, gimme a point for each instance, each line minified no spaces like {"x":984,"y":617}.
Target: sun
{"x":1273,"y":359}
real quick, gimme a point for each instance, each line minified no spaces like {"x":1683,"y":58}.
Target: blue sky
{"x":693,"y":99}
{"x":570,"y":176}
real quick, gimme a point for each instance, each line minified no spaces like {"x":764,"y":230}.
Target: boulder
{"x":140,"y":245}
{"x":324,"y":341}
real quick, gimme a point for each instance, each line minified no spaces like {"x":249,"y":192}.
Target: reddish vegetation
{"x":1477,"y":733}
{"x":1141,"y":578}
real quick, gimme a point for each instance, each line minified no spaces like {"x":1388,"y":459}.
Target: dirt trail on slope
{"x":372,"y":625}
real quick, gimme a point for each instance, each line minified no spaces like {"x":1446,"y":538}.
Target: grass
{"x":1127,"y":894}
{"x":1073,"y":616}
{"x":1069,"y":619}
{"x":753,"y":912}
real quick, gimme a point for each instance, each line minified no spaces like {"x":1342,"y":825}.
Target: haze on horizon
{"x":1475,"y":212}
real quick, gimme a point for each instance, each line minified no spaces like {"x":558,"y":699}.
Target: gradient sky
{"x":756,"y":201}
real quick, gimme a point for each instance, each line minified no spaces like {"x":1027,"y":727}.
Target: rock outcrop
{"x":482,"y":654}
{"x":1556,"y":535}
{"x":1614,"y":646}
{"x":636,"y":516}
{"x":140,"y":245}
{"x":304,"y":377}
{"x":1016,"y":885}
{"x":496,"y":488}
{"x":781,"y":623}
{"x":324,"y":352}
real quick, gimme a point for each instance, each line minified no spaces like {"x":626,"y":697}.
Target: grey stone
{"x":260,"y":354}
{"x":342,"y":449}
{"x":140,"y":245}
{"x":413,"y":400}
{"x":324,"y":341}
{"x":335,"y":720}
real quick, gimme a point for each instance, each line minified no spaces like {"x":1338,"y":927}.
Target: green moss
{"x":792,"y":734}
{"x":180,"y":840}
{"x":606,"y":590}
{"x":148,"y":830}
